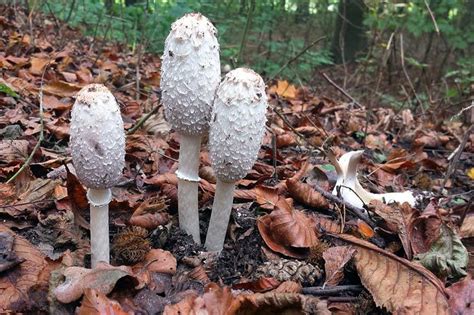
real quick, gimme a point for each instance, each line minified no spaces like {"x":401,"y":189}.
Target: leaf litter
{"x":286,"y":238}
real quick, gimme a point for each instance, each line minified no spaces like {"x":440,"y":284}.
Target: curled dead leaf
{"x":97,"y":303}
{"x":288,"y":231}
{"x":150,"y":214}
{"x":336,"y":259}
{"x":305,"y":194}
{"x":102,"y":278}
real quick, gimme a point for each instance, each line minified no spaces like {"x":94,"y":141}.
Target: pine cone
{"x":294,"y":270}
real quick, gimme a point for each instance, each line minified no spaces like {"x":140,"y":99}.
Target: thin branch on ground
{"x":323,"y":291}
{"x":457,"y":155}
{"x":410,"y":83}
{"x":41,"y":117}
{"x":142,"y":120}
{"x":301,"y":53}
{"x":340,"y":89}
{"x":356,"y":211}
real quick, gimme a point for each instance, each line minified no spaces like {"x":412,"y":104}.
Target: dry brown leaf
{"x":158,"y":260}
{"x":38,"y":65}
{"x":425,"y":229}
{"x":285,"y":140}
{"x":284,"y":89}
{"x":267,"y":197}
{"x":461,"y":296}
{"x":161,"y":179}
{"x":288,"y":231}
{"x":62,"y":88}
{"x":325,"y":224}
{"x":102,"y":278}
{"x":13,"y":151}
{"x":398,"y":218}
{"x":467,"y":227}
{"x":77,"y":198}
{"x":336,"y":259}
{"x":150,"y":214}
{"x":278,"y":303}
{"x":305,"y":194}
{"x":97,"y":303}
{"x":261,"y":285}
{"x":401,"y":286}
{"x":289,"y":287}
{"x":30,"y":276}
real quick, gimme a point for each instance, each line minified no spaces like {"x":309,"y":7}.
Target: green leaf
{"x":447,"y":255}
{"x":7,"y":90}
{"x":328,"y":167}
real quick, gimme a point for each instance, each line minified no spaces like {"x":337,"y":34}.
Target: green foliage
{"x":7,"y":90}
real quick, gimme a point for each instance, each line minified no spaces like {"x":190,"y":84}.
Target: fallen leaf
{"x":287,"y":231}
{"x":13,"y":152}
{"x":8,"y":257}
{"x":62,"y":88}
{"x":401,"y":286}
{"x":30,"y":276}
{"x":150,"y":214}
{"x":461,"y":296}
{"x":336,"y":259}
{"x":78,"y":198}
{"x":467,"y":227}
{"x":261,"y":285}
{"x":38,"y":65}
{"x":470,"y":173}
{"x":102,"y":278}
{"x":398,"y":218}
{"x":284,"y":89}
{"x":288,"y":287}
{"x":447,"y":255}
{"x":305,"y":194}
{"x":97,"y":303}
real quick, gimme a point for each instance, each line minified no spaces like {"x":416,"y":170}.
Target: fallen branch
{"x":340,"y":89}
{"x":323,"y":291}
{"x":301,"y":53}
{"x":356,"y":211}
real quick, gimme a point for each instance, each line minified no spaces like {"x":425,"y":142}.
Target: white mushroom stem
{"x":188,"y":185}
{"x":99,"y":200}
{"x":221,"y":210}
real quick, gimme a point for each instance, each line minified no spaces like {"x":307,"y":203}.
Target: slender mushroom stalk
{"x":190,"y":75}
{"x":98,"y":153}
{"x":236,"y":133}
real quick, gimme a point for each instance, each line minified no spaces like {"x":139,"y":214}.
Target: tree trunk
{"x":302,"y":11}
{"x":349,"y":36}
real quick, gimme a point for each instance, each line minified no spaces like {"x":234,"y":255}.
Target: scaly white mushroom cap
{"x":97,"y":137}
{"x":190,"y":74}
{"x":238,"y":124}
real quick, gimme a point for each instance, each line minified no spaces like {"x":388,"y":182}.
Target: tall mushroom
{"x":237,"y":129}
{"x":98,"y":153}
{"x":190,"y":75}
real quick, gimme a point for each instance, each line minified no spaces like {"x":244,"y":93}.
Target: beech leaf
{"x":335,"y":259}
{"x":401,"y":286}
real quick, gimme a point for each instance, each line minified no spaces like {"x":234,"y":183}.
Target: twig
{"x":295,"y":58}
{"x":321,"y":291}
{"x":432,"y":17}
{"x":26,"y":203}
{"x":142,"y":121}
{"x":457,"y":156}
{"x":340,"y":89}
{"x":41,"y":135}
{"x":402,"y":59}
{"x":247,"y":26}
{"x":355,"y":210}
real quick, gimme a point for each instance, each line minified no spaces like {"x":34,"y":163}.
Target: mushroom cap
{"x":190,"y":74}
{"x":97,"y":137}
{"x":238,"y":124}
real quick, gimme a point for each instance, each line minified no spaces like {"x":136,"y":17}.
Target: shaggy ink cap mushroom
{"x":98,"y":154}
{"x":190,"y":74}
{"x":97,"y":137}
{"x":236,"y":133}
{"x":238,"y":124}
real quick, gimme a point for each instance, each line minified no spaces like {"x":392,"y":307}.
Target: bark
{"x":349,"y":37}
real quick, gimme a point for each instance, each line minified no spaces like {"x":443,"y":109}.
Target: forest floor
{"x":291,"y":245}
